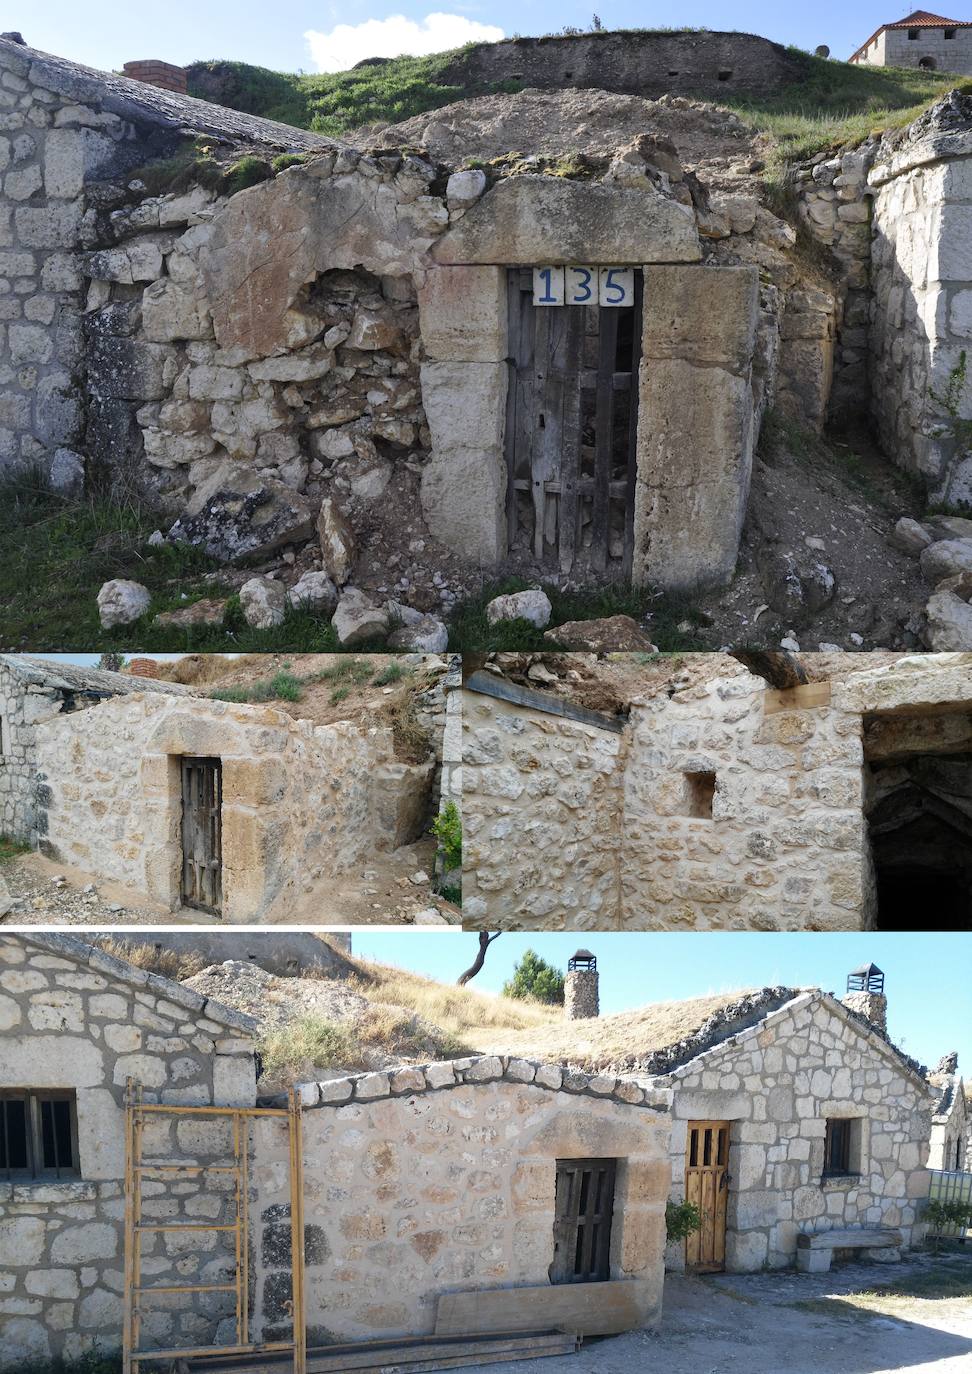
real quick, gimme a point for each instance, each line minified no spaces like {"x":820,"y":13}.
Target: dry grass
{"x":141,"y":953}
{"x":380,"y":1035}
{"x":461,"y":1012}
{"x":610,"y":1040}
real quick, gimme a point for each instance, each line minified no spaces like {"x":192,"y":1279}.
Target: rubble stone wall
{"x":299,"y":802}
{"x":440,"y":1178}
{"x":541,"y":816}
{"x":777,"y":1084}
{"x":73,"y":1018}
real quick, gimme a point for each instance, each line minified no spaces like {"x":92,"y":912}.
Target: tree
{"x":485,"y":941}
{"x":533,"y":977}
{"x":112,"y":663}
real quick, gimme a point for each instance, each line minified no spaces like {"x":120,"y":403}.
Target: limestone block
{"x":234,"y":1080}
{"x":463,"y":497}
{"x":314,"y":591}
{"x":121,"y":602}
{"x":356,"y":620}
{"x":948,"y":623}
{"x":695,"y":425}
{"x":528,"y":220}
{"x":172,"y":311}
{"x":463,"y":314}
{"x":71,"y":156}
{"x":465,"y":404}
{"x":21,"y":1241}
{"x":82,"y":1244}
{"x":263,"y":602}
{"x":464,"y":188}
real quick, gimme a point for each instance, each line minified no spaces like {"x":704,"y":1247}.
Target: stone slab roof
{"x":144,"y":104}
{"x":69,"y":947}
{"x":75,"y":677}
{"x":663,"y":1037}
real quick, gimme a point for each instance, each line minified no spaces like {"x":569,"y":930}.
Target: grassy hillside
{"x":833,"y":103}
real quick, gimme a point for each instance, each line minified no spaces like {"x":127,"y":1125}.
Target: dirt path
{"x":750,"y":1324}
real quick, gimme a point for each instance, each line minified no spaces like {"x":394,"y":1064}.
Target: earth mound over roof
{"x":710,"y":140}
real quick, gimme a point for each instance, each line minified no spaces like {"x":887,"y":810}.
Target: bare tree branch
{"x":485,"y":941}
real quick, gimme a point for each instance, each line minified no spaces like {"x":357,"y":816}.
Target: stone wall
{"x":721,"y":806}
{"x":931,"y":46}
{"x":777,"y":1084}
{"x":440,"y":1178}
{"x":635,"y":62}
{"x":300,"y":803}
{"x":74,"y":1018}
{"x":951,"y":1133}
{"x":541,"y":808}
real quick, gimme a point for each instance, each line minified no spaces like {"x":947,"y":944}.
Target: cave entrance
{"x":572,"y":416}
{"x":918,"y":803}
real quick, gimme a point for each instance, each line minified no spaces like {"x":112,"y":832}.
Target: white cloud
{"x":346,"y":44}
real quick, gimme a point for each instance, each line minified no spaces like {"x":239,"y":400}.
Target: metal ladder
{"x":137,"y":1113}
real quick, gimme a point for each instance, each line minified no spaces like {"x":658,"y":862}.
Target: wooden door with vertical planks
{"x":707,"y":1181}
{"x":202,"y":834}
{"x":571,"y":430}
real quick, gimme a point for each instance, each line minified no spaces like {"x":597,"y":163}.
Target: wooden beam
{"x":806,"y":698}
{"x":593,"y":1309}
{"x":489,"y":685}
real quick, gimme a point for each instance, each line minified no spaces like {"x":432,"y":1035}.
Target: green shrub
{"x":534,"y":978}
{"x":392,"y":672}
{"x":285,"y":160}
{"x":681,"y":1220}
{"x":447,"y":828}
{"x":246,"y":171}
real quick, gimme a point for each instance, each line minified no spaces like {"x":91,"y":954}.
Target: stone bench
{"x":815,"y":1249}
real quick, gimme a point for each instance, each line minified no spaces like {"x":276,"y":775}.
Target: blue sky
{"x":105,"y":34}
{"x":927,"y":976}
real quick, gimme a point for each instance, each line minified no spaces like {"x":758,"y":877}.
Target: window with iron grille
{"x":841,"y":1147}
{"x":582,"y":1220}
{"x":38,"y":1135}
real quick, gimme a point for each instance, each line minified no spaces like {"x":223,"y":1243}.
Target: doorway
{"x":571,"y":430}
{"x":584,"y":1209}
{"x":202,"y":834}
{"x":707,"y":1186}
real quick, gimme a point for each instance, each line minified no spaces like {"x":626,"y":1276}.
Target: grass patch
{"x":942,"y":1287}
{"x":141,"y":953}
{"x":350,"y":1046}
{"x":840,"y":103}
{"x":392,"y":672}
{"x":11,"y":849}
{"x":283,"y":686}
{"x":470,"y":631}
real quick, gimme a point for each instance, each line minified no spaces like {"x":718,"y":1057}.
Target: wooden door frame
{"x":721,"y":1179}
{"x":185,"y":761}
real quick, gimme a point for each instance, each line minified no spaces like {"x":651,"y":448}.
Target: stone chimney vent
{"x":580,"y":987}
{"x":865,"y":995}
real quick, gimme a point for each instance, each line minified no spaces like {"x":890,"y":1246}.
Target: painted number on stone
{"x":612,"y":286}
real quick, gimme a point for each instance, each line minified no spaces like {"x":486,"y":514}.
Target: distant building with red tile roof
{"x":921,"y":39}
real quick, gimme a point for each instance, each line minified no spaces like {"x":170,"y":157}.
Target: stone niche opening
{"x":918,"y":806}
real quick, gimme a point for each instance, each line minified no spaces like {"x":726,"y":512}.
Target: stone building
{"x":242,"y":811}
{"x":951,"y":1132}
{"x":921,"y":39}
{"x":76,"y":1025}
{"x":448,"y":1178}
{"x":350,"y":340}
{"x":792,"y":1113}
{"x":717,"y":802}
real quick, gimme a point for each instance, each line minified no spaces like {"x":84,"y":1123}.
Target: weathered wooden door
{"x":582,"y":1220}
{"x":707,"y":1185}
{"x":202,"y":837}
{"x":571,"y":422}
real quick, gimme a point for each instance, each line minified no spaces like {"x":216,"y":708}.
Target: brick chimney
{"x":143,"y":667}
{"x":156,"y":73}
{"x":580,"y":987}
{"x":865,"y":995}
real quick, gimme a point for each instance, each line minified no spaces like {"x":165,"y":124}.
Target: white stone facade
{"x":951,"y":1131}
{"x":75,"y":1019}
{"x":945,"y":48}
{"x":777,"y":1084}
{"x":440,"y":1178}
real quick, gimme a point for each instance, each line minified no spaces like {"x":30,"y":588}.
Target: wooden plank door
{"x":202,"y":834}
{"x":707,"y":1181}
{"x":582,"y":1220}
{"x":571,"y":423}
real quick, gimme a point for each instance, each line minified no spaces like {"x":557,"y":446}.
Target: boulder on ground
{"x":946,"y":558}
{"x":612,"y":634}
{"x":951,"y":526}
{"x":533,"y":606}
{"x":264,"y":603}
{"x":338,"y":550}
{"x":910,"y":537}
{"x":356,"y":620}
{"x":427,"y":635}
{"x":948,"y":627}
{"x":208,"y":611}
{"x":314,"y":592}
{"x":244,"y":515}
{"x":120,"y":602}
{"x":796,"y":584}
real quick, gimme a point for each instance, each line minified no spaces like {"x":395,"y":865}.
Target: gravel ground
{"x":275,"y":1001}
{"x":46,"y":893}
{"x":749,"y":1324}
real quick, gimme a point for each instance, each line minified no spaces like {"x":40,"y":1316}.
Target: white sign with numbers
{"x":612,"y":286}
